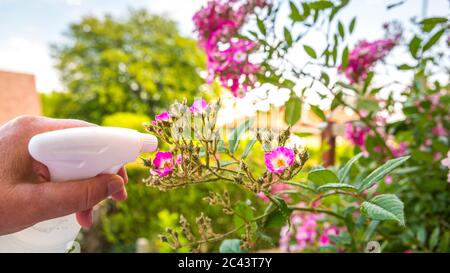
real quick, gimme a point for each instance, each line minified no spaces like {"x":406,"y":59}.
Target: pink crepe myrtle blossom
{"x":228,"y":57}
{"x":162,"y":164}
{"x":198,"y":107}
{"x":364,"y":56}
{"x":356,"y":134}
{"x":279,"y":159}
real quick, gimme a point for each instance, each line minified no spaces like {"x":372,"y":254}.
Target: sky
{"x":27,"y":28}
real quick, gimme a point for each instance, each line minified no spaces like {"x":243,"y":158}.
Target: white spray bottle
{"x":73,"y":154}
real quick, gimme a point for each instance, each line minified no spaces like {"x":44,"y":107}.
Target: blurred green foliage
{"x":136,"y":64}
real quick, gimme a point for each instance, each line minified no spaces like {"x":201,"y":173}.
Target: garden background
{"x":123,"y":63}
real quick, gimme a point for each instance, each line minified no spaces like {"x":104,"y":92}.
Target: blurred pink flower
{"x":162,"y":164}
{"x":388,"y":179}
{"x":356,"y":134}
{"x":198,"y":106}
{"x":277,"y":187}
{"x":364,"y":55}
{"x":164,"y":116}
{"x":399,"y":150}
{"x":439,"y":130}
{"x":279,"y":159}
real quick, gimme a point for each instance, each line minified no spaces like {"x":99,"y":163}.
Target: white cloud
{"x":22,"y":55}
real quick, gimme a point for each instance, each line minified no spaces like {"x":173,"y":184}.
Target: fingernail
{"x":114,"y":186}
{"x":121,"y":195}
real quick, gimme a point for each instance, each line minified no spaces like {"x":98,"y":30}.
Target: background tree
{"x":136,"y":64}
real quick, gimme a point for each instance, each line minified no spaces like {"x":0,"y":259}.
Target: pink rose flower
{"x":279,"y":159}
{"x":162,"y":164}
{"x":198,"y":107}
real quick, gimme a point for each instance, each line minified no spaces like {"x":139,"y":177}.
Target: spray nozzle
{"x":149,"y":143}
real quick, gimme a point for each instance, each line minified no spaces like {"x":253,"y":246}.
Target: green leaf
{"x":342,"y":239}
{"x":344,"y":61}
{"x":370,"y":230}
{"x":325,"y":78}
{"x":414,"y":46}
{"x":316,"y":110}
{"x":434,"y":238}
{"x":341,"y":30}
{"x":293,"y":110}
{"x":261,"y":26}
{"x":367,"y":81}
{"x":231,"y":246}
{"x":318,"y":5}
{"x":352,"y":25}
{"x":237,"y":133}
{"x":337,"y":186}
{"x":384,"y":207}
{"x":282,"y":206}
{"x":322,"y":176}
{"x":343,"y":172}
{"x":405,"y":67}
{"x":381,"y":172}
{"x":248,"y":148}
{"x":310,"y":51}
{"x":445,"y":242}
{"x":287,"y":36}
{"x":336,"y":101}
{"x":275,"y":219}
{"x":370,"y":105}
{"x":433,"y":40}
{"x":428,"y":24}
{"x":295,"y":14}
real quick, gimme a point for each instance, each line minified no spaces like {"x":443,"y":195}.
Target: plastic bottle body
{"x":75,"y":154}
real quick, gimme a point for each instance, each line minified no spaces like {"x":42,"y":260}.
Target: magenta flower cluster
{"x":227,"y":56}
{"x":307,"y":230}
{"x":364,"y":55}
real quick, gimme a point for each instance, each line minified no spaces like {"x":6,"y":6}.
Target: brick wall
{"x":18,"y":95}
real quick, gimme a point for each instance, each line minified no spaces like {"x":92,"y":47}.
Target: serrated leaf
{"x":351,"y":27}
{"x":237,"y":133}
{"x":316,"y":110}
{"x":322,"y":176}
{"x":282,"y":207}
{"x":337,"y":186}
{"x":287,"y":36}
{"x":343,"y":172}
{"x":293,"y":110}
{"x":248,"y":148}
{"x":231,"y":246}
{"x":433,"y":40}
{"x":384,"y":207}
{"x":381,"y":172}
{"x":310,"y":51}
